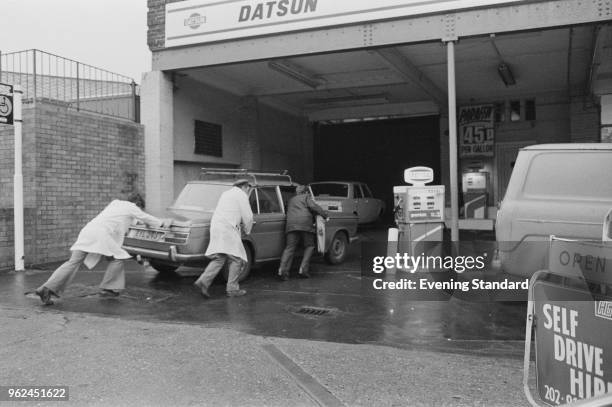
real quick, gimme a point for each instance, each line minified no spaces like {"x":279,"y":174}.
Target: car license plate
{"x":146,"y":234}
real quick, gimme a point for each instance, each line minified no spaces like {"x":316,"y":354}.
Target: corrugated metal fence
{"x":80,"y":86}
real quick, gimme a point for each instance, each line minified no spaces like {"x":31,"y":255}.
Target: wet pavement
{"x":332,"y":306}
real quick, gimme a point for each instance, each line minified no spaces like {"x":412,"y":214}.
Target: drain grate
{"x":314,"y":311}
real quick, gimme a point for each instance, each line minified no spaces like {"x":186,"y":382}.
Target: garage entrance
{"x":376,"y":152}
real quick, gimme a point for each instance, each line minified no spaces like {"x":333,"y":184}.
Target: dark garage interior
{"x":377,"y":152}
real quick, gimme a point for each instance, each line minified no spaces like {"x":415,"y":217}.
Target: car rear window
{"x":571,"y":175}
{"x":200,"y":196}
{"x":330,"y":189}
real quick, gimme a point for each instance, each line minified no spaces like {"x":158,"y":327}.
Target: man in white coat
{"x":102,"y":236}
{"x":232,"y":216}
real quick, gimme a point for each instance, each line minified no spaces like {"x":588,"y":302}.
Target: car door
{"x":371,"y":206}
{"x":360,"y":203}
{"x":269,"y":231}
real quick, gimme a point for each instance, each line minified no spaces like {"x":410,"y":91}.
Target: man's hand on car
{"x":166,"y":223}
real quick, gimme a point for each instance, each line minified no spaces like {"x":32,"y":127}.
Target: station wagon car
{"x":348,"y":197}
{"x":563,"y":190}
{"x":185,"y":242}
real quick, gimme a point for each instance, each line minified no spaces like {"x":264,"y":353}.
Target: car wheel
{"x":247,"y":269}
{"x":163,"y":268}
{"x":338,"y":249}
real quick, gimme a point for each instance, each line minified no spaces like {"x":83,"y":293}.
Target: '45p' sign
{"x":476,"y":134}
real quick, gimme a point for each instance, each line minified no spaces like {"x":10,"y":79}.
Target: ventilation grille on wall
{"x":208,"y":139}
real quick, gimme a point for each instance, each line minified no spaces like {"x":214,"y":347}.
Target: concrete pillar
{"x":444,"y":157}
{"x":606,"y":118}
{"x":250,"y":148}
{"x":157,"y":116}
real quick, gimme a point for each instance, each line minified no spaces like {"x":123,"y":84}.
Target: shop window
{"x":530,"y":109}
{"x":208,"y":139}
{"x":515,"y":110}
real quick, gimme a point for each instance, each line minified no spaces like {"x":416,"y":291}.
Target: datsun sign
{"x":203,"y":21}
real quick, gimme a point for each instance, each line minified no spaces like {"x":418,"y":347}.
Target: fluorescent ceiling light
{"x":503,"y":69}
{"x":295,"y":72}
{"x":353,"y":100}
{"x":505,"y":73}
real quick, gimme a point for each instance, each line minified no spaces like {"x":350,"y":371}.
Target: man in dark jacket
{"x":300,"y":226}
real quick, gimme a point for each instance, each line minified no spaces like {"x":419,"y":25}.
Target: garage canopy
{"x":398,"y":67}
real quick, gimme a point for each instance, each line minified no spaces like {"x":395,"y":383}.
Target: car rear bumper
{"x":171,"y":254}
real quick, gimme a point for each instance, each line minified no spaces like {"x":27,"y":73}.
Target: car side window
{"x":287,"y":192}
{"x":253,"y":200}
{"x":268,"y":200}
{"x":366,"y":191}
{"x":357,"y":191}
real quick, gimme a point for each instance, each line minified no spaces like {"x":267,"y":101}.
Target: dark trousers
{"x":293,"y":239}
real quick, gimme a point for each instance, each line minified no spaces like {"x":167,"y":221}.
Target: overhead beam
{"x":425,"y":108}
{"x":402,"y":65}
{"x":527,"y":15}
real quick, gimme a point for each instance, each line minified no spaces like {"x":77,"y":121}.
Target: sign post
{"x":572,"y":313}
{"x":11,"y":113}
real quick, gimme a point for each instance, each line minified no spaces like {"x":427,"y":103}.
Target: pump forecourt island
{"x":415,"y":246}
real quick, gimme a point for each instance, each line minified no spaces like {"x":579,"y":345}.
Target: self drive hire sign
{"x":573,"y":324}
{"x":6,"y":104}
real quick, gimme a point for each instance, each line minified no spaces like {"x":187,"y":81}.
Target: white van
{"x":555,"y":189}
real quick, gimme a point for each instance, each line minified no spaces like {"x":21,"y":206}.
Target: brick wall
{"x":74,"y":164}
{"x":156,"y":20}
{"x":255,"y":135}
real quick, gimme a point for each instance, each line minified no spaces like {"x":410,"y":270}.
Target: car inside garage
{"x":376,"y":152}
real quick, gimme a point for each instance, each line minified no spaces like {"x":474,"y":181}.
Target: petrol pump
{"x":419,"y":214}
{"x":475,"y":194}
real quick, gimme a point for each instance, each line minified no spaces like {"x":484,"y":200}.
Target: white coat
{"x":104,"y":234}
{"x":232,"y":213}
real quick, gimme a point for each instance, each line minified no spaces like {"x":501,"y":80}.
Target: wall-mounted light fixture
{"x":295,"y":72}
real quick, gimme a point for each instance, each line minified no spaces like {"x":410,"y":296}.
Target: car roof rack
{"x":255,"y":177}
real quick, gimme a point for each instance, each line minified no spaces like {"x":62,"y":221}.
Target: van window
{"x":571,"y":175}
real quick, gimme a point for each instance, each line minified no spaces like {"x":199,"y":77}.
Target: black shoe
{"x":236,"y":293}
{"x":45,"y":295}
{"x":283,"y":276}
{"x":105,"y":292}
{"x":304,"y":274}
{"x":203,"y":290}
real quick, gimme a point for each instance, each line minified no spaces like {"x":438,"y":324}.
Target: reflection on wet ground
{"x":331,"y":306}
